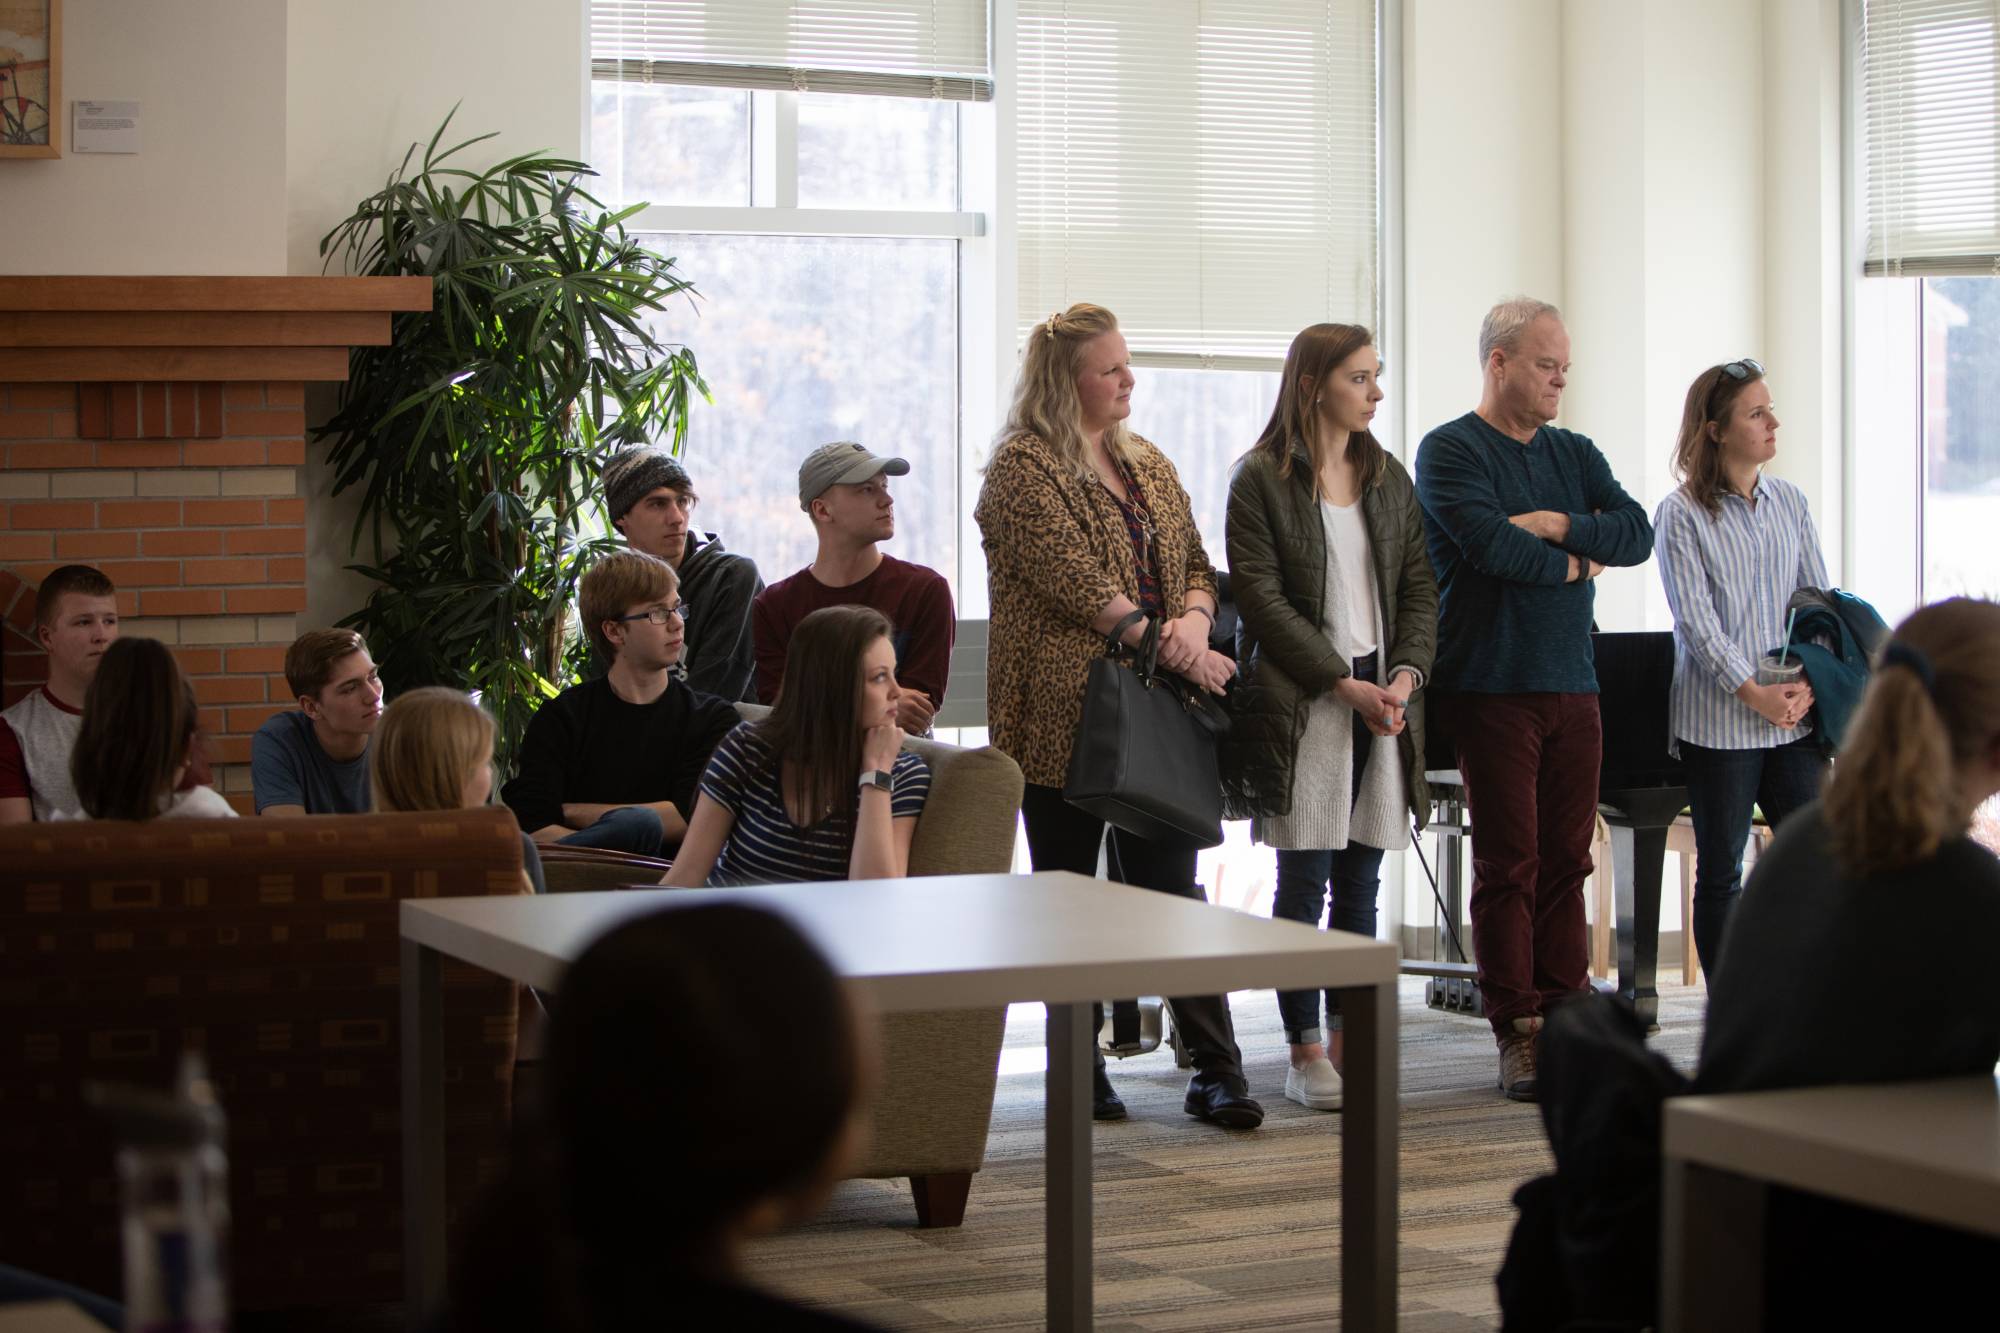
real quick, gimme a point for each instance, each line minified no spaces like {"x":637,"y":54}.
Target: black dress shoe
{"x":1223,"y":1099}
{"x":1104,"y":1101}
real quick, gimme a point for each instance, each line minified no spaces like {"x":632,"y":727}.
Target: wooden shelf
{"x":156,"y":329}
{"x":195,"y":293}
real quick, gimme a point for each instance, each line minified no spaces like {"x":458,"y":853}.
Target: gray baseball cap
{"x":842,"y":463}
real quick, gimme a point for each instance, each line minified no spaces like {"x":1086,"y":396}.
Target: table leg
{"x":423,"y":1133}
{"x":1068,"y":1156}
{"x":1711,"y":1250}
{"x":1368,"y":1160}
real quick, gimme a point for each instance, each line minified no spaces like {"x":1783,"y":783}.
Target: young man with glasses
{"x":614,"y":762}
{"x":844,"y":490}
{"x":651,"y":501}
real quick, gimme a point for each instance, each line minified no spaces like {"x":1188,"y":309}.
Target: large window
{"x":800,"y":160}
{"x":809,"y":339}
{"x":1960,"y":449}
{"x":1927,"y":310}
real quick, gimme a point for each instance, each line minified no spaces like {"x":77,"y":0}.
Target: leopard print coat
{"x":1056,"y":552}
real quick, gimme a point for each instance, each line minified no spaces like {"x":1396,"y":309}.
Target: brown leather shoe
{"x":1517,"y":1059}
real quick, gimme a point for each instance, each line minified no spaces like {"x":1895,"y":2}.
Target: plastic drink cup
{"x":1770,"y":671}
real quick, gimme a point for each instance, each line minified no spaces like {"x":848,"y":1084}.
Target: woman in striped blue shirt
{"x":820,"y":789}
{"x":1733,"y":546}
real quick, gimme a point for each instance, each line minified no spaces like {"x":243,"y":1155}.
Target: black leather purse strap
{"x":1115,"y":639}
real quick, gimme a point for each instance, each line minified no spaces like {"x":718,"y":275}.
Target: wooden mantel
{"x":164,"y":329}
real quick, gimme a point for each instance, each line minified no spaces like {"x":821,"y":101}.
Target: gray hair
{"x":1501,"y":329}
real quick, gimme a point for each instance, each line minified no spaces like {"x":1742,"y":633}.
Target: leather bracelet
{"x":1195,"y":607}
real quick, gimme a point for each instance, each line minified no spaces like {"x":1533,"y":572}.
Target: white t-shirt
{"x":1347,"y":543}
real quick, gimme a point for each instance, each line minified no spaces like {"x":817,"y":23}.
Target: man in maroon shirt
{"x":845,"y":490}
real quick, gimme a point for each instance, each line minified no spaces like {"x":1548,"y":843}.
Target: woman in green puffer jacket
{"x":1338,"y":610}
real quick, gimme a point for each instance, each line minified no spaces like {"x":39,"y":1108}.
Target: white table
{"x":961,"y":942}
{"x":1930,"y":1151}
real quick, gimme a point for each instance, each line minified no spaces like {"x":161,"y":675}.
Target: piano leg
{"x":1639,"y":858}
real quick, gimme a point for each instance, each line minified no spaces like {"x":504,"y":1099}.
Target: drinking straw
{"x":1789,"y":620}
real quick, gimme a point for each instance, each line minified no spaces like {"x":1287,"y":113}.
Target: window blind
{"x":897,"y":48}
{"x":1205,"y":168}
{"x":1930,"y":78}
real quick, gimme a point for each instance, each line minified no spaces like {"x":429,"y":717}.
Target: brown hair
{"x":1894,"y":796}
{"x":813,"y":725}
{"x":1045,"y":399}
{"x":619,"y":581}
{"x":138,"y":729}
{"x":309,"y":662}
{"x":1697,"y":453}
{"x":1316,"y":354}
{"x":426,"y":745}
{"x":84,"y":580}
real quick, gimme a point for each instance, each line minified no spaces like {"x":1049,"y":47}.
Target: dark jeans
{"x":1062,"y":837}
{"x":1354,"y":876}
{"x":630,"y":828}
{"x":1723,"y":787}
{"x":1530,"y":764}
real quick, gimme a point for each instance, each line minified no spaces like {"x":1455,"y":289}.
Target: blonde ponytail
{"x":1894,"y":798}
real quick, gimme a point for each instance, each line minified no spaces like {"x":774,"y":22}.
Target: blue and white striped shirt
{"x":1729,"y":578}
{"x":764,"y":845}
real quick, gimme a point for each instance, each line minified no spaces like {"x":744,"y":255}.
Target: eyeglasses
{"x":1744,"y":369}
{"x":659,"y":615}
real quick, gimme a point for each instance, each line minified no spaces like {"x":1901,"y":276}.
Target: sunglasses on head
{"x":1744,"y":369}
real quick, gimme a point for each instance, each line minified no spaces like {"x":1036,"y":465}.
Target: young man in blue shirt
{"x":314,"y":761}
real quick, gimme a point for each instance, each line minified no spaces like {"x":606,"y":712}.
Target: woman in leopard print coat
{"x":1083,"y":523}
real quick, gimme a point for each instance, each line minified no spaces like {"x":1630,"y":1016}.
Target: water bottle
{"x":173,"y":1178}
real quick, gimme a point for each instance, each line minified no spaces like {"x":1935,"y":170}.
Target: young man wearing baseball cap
{"x":844,"y":489}
{"x":651,"y":501}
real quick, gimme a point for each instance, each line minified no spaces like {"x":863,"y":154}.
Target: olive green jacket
{"x":1277,"y":577}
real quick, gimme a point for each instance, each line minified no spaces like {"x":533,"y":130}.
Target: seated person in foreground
{"x":1838,"y":971}
{"x":434,"y":751}
{"x":314,"y":759}
{"x":822,"y":788}
{"x":613,"y":762}
{"x":844,"y":489}
{"x":139,"y":740}
{"x":76,"y":619}
{"x":628,"y":1207}
{"x":1839,"y":966}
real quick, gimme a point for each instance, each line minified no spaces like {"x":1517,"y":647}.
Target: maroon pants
{"x":1530,"y":765}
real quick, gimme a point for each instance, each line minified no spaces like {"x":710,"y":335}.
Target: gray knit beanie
{"x":631,"y":476}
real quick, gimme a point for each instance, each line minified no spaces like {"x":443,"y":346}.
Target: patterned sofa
{"x":271,"y":944}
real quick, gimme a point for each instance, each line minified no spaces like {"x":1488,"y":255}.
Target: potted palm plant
{"x":478,"y":432}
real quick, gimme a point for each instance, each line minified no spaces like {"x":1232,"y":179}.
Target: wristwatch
{"x":875,"y":778}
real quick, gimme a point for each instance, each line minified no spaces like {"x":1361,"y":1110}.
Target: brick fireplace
{"x":155,"y":428}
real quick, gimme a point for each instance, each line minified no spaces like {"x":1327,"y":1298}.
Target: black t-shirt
{"x":1832,"y":978}
{"x":588,"y":746}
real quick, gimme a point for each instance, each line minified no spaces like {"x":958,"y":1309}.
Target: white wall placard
{"x":104,"y":127}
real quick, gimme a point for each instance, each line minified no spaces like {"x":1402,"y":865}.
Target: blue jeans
{"x":1723,"y":788}
{"x":630,"y":828}
{"x":1354,"y":876}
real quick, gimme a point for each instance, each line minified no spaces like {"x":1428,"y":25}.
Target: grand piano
{"x":1641,"y":789}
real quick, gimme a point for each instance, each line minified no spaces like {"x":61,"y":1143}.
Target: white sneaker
{"x":1316,"y":1087}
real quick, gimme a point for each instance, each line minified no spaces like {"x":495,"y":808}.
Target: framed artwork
{"x":30,"y":78}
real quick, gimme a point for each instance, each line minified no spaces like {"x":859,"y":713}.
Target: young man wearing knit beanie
{"x":651,"y":501}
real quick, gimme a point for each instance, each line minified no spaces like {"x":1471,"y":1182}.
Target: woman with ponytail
{"x":1835,"y":958}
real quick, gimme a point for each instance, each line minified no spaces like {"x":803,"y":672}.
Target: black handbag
{"x":1144,"y":756}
